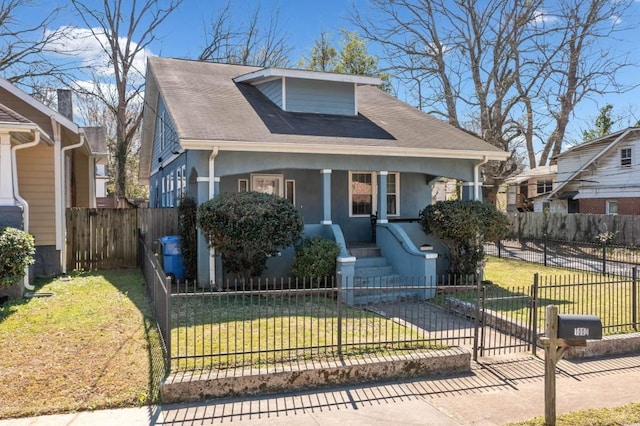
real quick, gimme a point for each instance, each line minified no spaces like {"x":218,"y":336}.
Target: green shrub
{"x":315,"y":258}
{"x":187,"y":214}
{"x":463,"y":227}
{"x":17,"y":249}
{"x":248,"y":227}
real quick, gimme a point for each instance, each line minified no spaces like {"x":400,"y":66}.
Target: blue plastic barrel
{"x":172,"y":261}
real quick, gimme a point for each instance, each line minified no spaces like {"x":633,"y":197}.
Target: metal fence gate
{"x":499,"y":320}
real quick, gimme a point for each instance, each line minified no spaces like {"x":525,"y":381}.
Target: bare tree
{"x":510,"y":71}
{"x":246,"y":44}
{"x":124,"y":29}
{"x":25,"y":50}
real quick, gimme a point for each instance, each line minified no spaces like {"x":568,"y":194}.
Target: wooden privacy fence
{"x":576,"y":227}
{"x":108,"y":238}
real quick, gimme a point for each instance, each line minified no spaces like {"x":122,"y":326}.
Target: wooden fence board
{"x":108,"y":238}
{"x":575,"y":227}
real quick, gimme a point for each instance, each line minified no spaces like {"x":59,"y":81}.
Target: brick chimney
{"x":65,"y":103}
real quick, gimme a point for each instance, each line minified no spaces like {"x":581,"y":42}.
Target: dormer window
{"x":625,"y":157}
{"x":309,"y":91}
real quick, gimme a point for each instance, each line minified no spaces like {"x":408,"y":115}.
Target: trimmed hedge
{"x":17,"y":249}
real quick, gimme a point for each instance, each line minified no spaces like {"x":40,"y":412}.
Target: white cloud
{"x":541,"y":16}
{"x":615,"y":19}
{"x":89,"y":46}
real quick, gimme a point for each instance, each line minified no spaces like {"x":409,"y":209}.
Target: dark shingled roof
{"x":7,"y":115}
{"x":206,"y":104}
{"x":97,"y":139}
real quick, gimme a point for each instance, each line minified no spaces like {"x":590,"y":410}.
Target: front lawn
{"x":91,"y":345}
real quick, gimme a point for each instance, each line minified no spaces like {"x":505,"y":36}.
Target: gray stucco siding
{"x":272,"y":90}
{"x":233,"y":163}
{"x":320,"y":97}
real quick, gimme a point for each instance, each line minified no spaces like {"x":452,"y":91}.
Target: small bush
{"x":248,"y":227}
{"x":315,"y":258}
{"x":464,"y":226}
{"x":17,"y":249}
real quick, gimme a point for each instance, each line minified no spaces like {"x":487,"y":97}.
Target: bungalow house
{"x":342,"y":151}
{"x":46,"y":165}
{"x":601,"y":176}
{"x":526,"y":192}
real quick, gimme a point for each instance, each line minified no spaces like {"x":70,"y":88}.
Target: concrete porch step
{"x":363,"y":249}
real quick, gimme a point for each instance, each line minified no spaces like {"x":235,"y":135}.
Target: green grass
{"x":611,"y":302}
{"x":623,"y":415}
{"x":255,"y":331}
{"x":92,"y":345}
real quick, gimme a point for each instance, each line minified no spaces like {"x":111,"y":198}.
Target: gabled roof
{"x":21,"y":128}
{"x":39,"y":106}
{"x":532,"y":173}
{"x":209,"y":109}
{"x":97,"y":140}
{"x":7,"y":115}
{"x":608,"y":142}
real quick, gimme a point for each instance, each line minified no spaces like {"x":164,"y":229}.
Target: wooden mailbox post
{"x":561,"y":333}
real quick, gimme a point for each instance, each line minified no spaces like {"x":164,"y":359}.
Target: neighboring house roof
{"x":21,"y":128}
{"x":39,"y":106}
{"x":97,"y":140}
{"x":7,"y":115}
{"x":608,"y":142}
{"x":533,"y":173}
{"x":208,"y":108}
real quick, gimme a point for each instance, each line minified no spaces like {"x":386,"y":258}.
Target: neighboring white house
{"x":527,"y":191}
{"x":601,"y":176}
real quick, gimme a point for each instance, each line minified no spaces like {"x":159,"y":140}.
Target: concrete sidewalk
{"x":496,"y":392}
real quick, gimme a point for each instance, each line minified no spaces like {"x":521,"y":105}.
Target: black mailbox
{"x":579,"y":327}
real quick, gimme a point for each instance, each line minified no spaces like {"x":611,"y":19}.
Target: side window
{"x":611,"y":207}
{"x":625,"y":157}
{"x":243,"y":185}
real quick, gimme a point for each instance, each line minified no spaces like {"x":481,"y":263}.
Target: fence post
{"x":534,"y":314}
{"x":499,"y":249}
{"x":604,"y":257}
{"x":545,"y":249}
{"x":167,"y":320}
{"x":339,"y":299}
{"x":476,"y":322}
{"x":634,"y":298}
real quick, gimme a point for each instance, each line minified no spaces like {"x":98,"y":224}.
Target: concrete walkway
{"x":496,"y":392}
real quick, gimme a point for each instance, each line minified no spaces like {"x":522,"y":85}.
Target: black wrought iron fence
{"x":613,"y":298}
{"x":589,"y":257}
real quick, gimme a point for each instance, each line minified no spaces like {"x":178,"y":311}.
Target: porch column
{"x":382,"y":196}
{"x":326,"y":196}
{"x":6,"y":177}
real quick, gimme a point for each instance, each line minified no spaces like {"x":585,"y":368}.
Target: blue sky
{"x":183,"y":35}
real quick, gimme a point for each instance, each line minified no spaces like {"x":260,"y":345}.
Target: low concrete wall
{"x":194,"y":386}
{"x":618,"y":344}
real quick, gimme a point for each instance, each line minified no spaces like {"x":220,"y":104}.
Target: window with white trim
{"x":183,"y":182}
{"x":544,"y":186}
{"x":162,"y":203}
{"x":290,"y":190}
{"x":179,"y":185}
{"x":243,"y":185}
{"x":625,"y":157}
{"x":393,"y":195}
{"x":363,"y":189}
{"x":611,"y":207}
{"x":269,"y":184}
